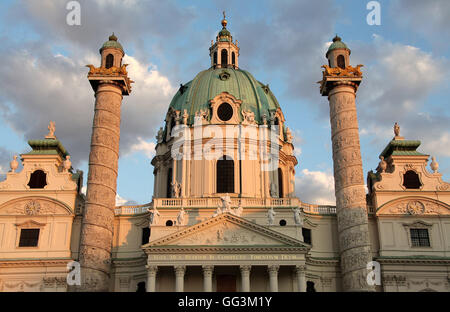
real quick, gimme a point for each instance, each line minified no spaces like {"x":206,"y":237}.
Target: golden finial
{"x":224,"y":21}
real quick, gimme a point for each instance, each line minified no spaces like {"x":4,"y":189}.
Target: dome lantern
{"x":338,"y":53}
{"x":224,"y":53}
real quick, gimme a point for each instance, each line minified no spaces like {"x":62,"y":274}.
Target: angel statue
{"x":218,"y":211}
{"x":238,"y":210}
{"x":298,"y":216}
{"x":271,"y":216}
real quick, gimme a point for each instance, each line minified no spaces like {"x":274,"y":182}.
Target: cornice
{"x":33,"y":262}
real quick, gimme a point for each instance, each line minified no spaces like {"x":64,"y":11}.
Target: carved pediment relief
{"x":414,"y":206}
{"x":33,"y":206}
{"x":227,"y":230}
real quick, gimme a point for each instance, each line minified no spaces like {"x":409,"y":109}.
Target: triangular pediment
{"x":227,"y":230}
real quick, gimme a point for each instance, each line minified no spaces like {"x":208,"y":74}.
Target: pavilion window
{"x":233,"y":58}
{"x":411,"y":180}
{"x":215,"y":59}
{"x":38,"y":180}
{"x":225,"y":175}
{"x":420,"y":238}
{"x":29,"y":237}
{"x":341,"y":61}
{"x":310,"y":287}
{"x":109,"y":61}
{"x":224,"y":58}
{"x":141,"y":287}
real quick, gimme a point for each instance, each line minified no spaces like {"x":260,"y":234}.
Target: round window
{"x":169,"y":223}
{"x":225,"y":112}
{"x":283,"y":222}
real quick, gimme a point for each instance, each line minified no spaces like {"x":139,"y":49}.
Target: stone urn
{"x":434,"y":164}
{"x":14,"y":164}
{"x":382,"y":164}
{"x":67,"y":164}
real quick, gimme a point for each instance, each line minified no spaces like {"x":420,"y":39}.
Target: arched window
{"x":233,"y":58}
{"x":280,"y":183}
{"x":141,"y":287}
{"x":224,"y":58}
{"x":109,"y":61}
{"x":310,"y":287}
{"x":38,"y":180}
{"x":411,"y":180}
{"x":341,"y":61}
{"x":215,"y":58}
{"x":145,"y":235}
{"x":169,"y":183}
{"x":225,"y":175}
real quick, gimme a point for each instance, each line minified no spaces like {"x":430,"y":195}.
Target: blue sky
{"x":283,"y":43}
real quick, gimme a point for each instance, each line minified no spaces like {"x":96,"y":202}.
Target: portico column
{"x":207,"y":277}
{"x":273,"y":277}
{"x":300,"y":271}
{"x":179,"y":277}
{"x":151,"y":277}
{"x":245,"y":277}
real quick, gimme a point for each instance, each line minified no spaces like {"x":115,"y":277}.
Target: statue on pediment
{"x":271,"y":216}
{"x":181,"y":216}
{"x":154,"y":216}
{"x":298,"y":216}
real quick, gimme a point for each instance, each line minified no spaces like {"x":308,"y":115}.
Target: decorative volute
{"x":224,"y":53}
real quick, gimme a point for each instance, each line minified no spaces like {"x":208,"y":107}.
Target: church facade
{"x":224,"y":215}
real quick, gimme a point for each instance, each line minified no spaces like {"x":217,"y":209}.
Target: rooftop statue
{"x":51,"y":130}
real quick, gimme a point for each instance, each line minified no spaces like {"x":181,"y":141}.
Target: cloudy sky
{"x":283,"y":43}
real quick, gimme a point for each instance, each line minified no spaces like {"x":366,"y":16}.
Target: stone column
{"x":349,"y":186}
{"x":300,"y":272}
{"x":273,"y":277}
{"x":245,"y":277}
{"x":98,"y":216}
{"x":179,"y":277}
{"x":207,"y":277}
{"x":151,"y":277}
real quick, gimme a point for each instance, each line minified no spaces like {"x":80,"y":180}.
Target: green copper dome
{"x":196,"y":94}
{"x":112,"y":43}
{"x":337,"y":44}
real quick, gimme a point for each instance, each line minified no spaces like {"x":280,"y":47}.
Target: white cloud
{"x":42,"y":86}
{"x":148,"y":148}
{"x":315,"y":187}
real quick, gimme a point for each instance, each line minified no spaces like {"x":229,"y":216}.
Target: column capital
{"x":245,"y":269}
{"x":300,"y":268}
{"x":273,"y":269}
{"x":151,"y":268}
{"x":180,"y":270}
{"x":207,"y":269}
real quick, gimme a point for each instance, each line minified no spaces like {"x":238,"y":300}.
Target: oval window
{"x":225,"y":112}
